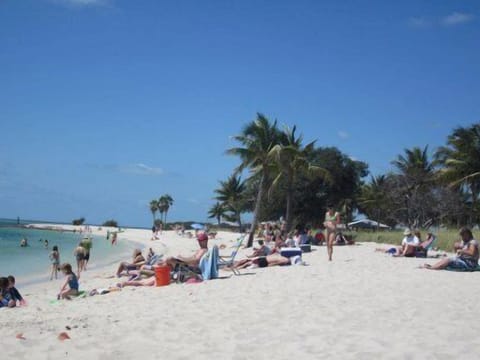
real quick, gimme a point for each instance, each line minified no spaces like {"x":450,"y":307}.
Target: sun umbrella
{"x":197,"y":226}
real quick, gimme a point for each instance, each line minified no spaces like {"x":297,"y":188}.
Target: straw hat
{"x":407,"y":232}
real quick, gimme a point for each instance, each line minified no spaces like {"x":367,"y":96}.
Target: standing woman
{"x":332,"y":219}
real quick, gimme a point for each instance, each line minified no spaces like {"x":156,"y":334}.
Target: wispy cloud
{"x":457,"y":18}
{"x":343,"y":134}
{"x":193,"y":201}
{"x":136,"y":169}
{"x":141,"y":169}
{"x":82,"y":3}
{"x":419,"y":22}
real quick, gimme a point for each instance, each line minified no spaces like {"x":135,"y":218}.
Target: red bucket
{"x":162,"y":275}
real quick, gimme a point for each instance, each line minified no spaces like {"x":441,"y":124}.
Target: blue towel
{"x":209,"y":264}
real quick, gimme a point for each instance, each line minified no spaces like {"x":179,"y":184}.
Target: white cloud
{"x":140,"y":169}
{"x":418,"y":22}
{"x":343,"y":134}
{"x":457,"y":18}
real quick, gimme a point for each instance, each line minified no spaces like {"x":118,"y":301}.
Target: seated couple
{"x":411,"y":246}
{"x":466,"y":258}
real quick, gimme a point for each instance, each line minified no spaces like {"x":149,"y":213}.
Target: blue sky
{"x":107,"y":104}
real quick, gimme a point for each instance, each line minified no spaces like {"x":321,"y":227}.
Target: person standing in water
{"x":332,"y":219}
{"x":55,"y":261}
{"x":86,"y":243}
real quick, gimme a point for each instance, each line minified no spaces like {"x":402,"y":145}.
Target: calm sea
{"x":31,"y":264}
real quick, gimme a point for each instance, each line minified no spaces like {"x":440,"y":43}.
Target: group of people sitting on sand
{"x":411,"y":245}
{"x":466,"y":250}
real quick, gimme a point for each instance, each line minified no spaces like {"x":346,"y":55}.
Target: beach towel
{"x":209,"y":264}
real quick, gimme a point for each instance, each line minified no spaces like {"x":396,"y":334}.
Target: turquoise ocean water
{"x":31,"y":264}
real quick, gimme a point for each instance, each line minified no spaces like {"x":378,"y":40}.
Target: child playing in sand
{"x":6,"y":299}
{"x":70,"y":286}
{"x":55,"y":261}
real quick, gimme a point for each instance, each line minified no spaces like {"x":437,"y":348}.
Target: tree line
{"x":290,"y":179}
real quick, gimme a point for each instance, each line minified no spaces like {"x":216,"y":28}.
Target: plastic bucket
{"x":162,"y":275}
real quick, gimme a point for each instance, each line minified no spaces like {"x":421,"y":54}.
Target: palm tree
{"x":373,"y":198}
{"x":415,"y":166}
{"x":461,"y":161}
{"x":257,"y":139}
{"x":291,"y":160}
{"x":231,"y":194}
{"x":217,"y":211}
{"x":165,"y":202}
{"x":154,"y":208}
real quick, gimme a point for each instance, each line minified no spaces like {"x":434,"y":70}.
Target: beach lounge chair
{"x":227,"y":261}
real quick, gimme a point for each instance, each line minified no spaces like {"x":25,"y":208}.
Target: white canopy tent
{"x":367,"y":224}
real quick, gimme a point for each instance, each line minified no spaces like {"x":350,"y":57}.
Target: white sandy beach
{"x":363,"y":305}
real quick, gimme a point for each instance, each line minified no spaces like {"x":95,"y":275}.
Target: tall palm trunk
{"x":256,"y":211}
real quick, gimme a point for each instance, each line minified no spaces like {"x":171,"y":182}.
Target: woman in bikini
{"x":332,"y":219}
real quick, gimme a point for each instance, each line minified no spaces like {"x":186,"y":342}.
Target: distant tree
{"x":217,"y":211}
{"x":78,"y":221}
{"x":292,"y":159}
{"x":461,"y":164}
{"x":373,"y":197}
{"x":231,"y":195}
{"x":415,"y":181}
{"x":257,"y":140}
{"x":341,"y":188}
{"x":164,"y":204}
{"x":112,"y":223}
{"x":154,"y":208}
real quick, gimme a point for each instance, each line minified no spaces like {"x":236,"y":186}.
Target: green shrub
{"x":112,"y":223}
{"x":78,"y":221}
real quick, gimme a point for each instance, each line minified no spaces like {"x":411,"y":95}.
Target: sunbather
{"x":264,"y":261}
{"x":466,"y":258}
{"x":150,"y":281}
{"x":137,"y":261}
{"x":193,"y":260}
{"x":263,"y":250}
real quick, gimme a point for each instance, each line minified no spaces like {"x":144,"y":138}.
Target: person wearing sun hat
{"x":408,"y":247}
{"x":409,"y":244}
{"x":193,"y":260}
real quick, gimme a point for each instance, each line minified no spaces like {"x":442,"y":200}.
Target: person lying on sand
{"x":264,"y":261}
{"x":150,"y":281}
{"x":466,"y":258}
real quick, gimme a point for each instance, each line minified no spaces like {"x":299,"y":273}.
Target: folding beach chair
{"x":227,"y":261}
